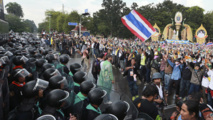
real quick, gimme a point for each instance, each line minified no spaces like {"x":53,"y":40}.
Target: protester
{"x":132,"y":78}
{"x":176,"y":76}
{"x":190,"y":110}
{"x":161,"y":98}
{"x":106,"y":79}
{"x":145,"y":104}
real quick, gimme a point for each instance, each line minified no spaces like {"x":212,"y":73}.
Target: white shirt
{"x":43,"y":40}
{"x":101,"y":47}
{"x":101,"y":64}
{"x":160,"y":90}
{"x":210,"y":74}
{"x":93,"y":45}
{"x":205,"y":82}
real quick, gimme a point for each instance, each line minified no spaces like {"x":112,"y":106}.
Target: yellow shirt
{"x":143,"y":59}
{"x":116,"y":51}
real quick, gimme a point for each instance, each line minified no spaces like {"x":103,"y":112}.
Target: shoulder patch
{"x":139,"y":105}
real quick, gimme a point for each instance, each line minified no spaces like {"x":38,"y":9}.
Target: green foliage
{"x":18,"y":25}
{"x":15,"y":23}
{"x":29,"y":26}
{"x":51,"y":16}
{"x":4,"y":27}
{"x":208,"y":24}
{"x":59,"y":21}
{"x":43,"y":25}
{"x":14,"y":8}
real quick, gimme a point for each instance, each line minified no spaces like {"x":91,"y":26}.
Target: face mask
{"x":196,"y":70}
{"x":211,"y":60}
{"x":176,"y":63}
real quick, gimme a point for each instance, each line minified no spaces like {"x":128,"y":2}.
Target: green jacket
{"x":79,"y":97}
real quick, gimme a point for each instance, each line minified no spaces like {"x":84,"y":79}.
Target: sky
{"x":35,"y":9}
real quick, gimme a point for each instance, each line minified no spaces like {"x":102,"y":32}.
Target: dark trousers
{"x":194,"y":88}
{"x":184,"y":87}
{"x":95,"y":77}
{"x":163,"y":74}
{"x":143,"y":73}
{"x":148,"y":71}
{"x":177,"y":86}
{"x":133,"y":88}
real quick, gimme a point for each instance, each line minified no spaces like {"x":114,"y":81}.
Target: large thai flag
{"x":138,"y":25}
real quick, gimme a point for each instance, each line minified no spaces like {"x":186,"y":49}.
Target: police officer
{"x":58,"y":82}
{"x":119,"y":109}
{"x":85,"y":88}
{"x":44,"y":68}
{"x":95,"y":97}
{"x":64,"y":59}
{"x":4,"y":92}
{"x":49,"y":73}
{"x":64,"y":70}
{"x":78,"y":78}
{"x":56,"y":99}
{"x":55,"y":82}
{"x":75,"y":67}
{"x":32,"y":52}
{"x":81,"y":100}
{"x":16,"y":87}
{"x":50,"y":58}
{"x":31,"y":91}
{"x":18,"y":62}
{"x":31,"y":67}
{"x":39,"y":64}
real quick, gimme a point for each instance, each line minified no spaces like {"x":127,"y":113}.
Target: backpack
{"x":96,"y":67}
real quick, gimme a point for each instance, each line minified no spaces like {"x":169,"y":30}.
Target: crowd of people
{"x":39,"y":83}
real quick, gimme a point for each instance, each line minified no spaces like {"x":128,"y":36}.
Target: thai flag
{"x":209,"y":44}
{"x":138,"y":25}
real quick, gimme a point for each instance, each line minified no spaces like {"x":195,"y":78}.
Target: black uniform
{"x":4,"y":96}
{"x":16,"y":95}
{"x":147,"y":107}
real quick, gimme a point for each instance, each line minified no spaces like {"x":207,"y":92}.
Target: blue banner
{"x":178,"y":41}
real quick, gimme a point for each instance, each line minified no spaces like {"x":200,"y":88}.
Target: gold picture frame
{"x":201,"y":35}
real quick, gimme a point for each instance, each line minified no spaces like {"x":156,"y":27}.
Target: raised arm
{"x":170,"y":63}
{"x":190,"y":68}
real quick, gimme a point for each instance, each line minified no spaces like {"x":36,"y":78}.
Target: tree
{"x":15,"y":23}
{"x":60,"y":21}
{"x":134,"y":6}
{"x":30,"y":26}
{"x":194,"y":17}
{"x":51,"y":17}
{"x":43,"y":25}
{"x":208,"y":24}
{"x":14,"y":8}
{"x":113,"y":10}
